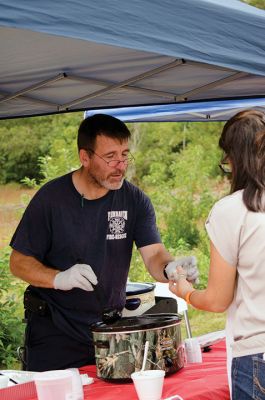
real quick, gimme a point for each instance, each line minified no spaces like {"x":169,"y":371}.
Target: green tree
{"x":256,"y":3}
{"x":177,"y":166}
{"x":25,"y":142}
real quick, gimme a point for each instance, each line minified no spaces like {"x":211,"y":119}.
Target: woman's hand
{"x":182,"y":286}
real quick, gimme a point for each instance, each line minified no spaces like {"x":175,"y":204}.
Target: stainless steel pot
{"x":139,"y":298}
{"x":119,"y":347}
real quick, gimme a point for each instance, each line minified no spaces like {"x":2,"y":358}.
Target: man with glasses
{"x":77,"y":234}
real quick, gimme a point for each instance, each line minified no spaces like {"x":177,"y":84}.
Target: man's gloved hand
{"x":78,"y":276}
{"x":189,"y":264}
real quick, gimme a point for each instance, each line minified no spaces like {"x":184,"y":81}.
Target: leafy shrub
{"x":138,"y":271}
{"x":11,"y":326}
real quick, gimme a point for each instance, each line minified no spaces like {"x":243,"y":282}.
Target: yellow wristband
{"x":188,"y":294}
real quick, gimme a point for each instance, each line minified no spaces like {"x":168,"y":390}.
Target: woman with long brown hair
{"x":236,"y":228}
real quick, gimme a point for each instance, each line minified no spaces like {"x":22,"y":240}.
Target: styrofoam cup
{"x":149,"y":384}
{"x":3,"y":381}
{"x":193,"y":350}
{"x":54,"y":385}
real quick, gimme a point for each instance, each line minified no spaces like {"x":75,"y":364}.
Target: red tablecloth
{"x":205,"y":381}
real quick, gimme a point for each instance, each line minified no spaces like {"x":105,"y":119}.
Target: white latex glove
{"x":78,"y":276}
{"x":189,"y":264}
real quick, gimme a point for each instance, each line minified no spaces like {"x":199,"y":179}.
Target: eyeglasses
{"x":115,"y":163}
{"x":225,"y":166}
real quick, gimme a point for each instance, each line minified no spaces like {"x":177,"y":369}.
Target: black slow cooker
{"x":119,"y":347}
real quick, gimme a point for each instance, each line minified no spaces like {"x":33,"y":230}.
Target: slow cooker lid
{"x":142,"y":322}
{"x":133,"y":288}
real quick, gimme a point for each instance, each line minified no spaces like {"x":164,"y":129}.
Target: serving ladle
{"x":109,"y":315}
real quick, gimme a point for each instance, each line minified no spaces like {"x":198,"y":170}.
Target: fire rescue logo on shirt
{"x":117,"y":224}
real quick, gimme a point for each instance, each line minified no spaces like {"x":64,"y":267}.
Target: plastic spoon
{"x":146,"y":347}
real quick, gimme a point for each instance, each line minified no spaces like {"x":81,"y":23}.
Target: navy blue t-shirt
{"x":60,"y":228}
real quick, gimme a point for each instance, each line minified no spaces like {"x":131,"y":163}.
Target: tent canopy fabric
{"x":220,"y":110}
{"x":78,"y":55}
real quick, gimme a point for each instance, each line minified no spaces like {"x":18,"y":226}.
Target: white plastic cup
{"x":193,"y":350}
{"x":78,"y":391}
{"x":53,"y":385}
{"x":3,"y":381}
{"x":149,"y":384}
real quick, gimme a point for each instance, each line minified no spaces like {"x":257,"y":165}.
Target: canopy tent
{"x":220,"y":110}
{"x":78,"y":55}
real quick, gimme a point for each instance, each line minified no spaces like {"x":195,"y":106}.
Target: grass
{"x":13,"y":199}
{"x":202,"y":322}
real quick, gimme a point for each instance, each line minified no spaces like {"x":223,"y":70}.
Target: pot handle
{"x":132,"y":304}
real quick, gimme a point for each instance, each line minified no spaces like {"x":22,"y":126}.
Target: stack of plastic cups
{"x":77,"y":387}
{"x":59,"y":385}
{"x":193,"y":350}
